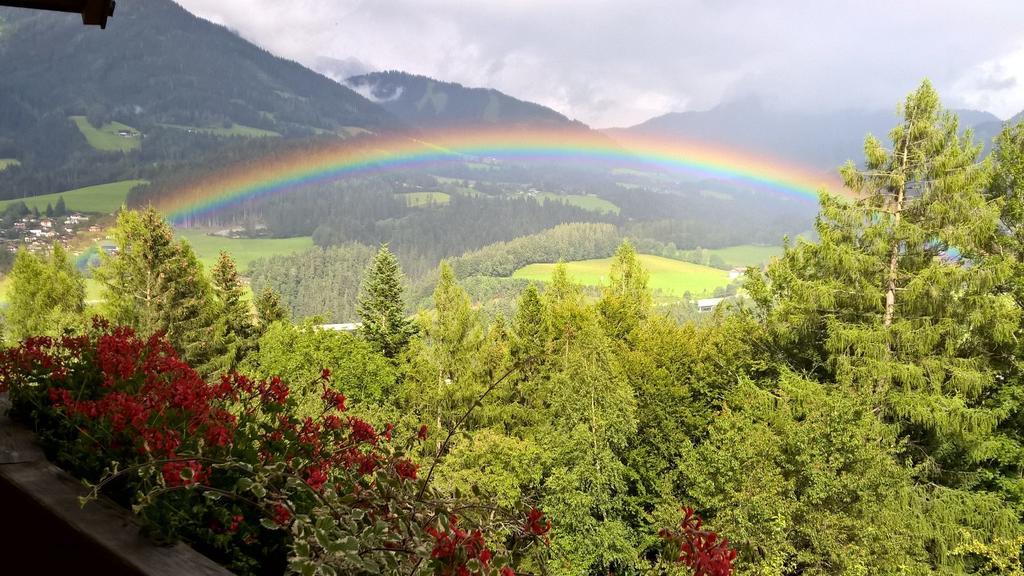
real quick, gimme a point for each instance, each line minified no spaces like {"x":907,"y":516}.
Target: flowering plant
{"x":229,"y":466}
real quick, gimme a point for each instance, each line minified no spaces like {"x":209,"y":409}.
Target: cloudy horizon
{"x":617,"y":64}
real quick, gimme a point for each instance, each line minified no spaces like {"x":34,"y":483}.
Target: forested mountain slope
{"x":174,"y":84}
{"x":430,"y":103}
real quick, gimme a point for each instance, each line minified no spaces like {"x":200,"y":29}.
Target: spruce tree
{"x":60,"y":209}
{"x":626,"y":301}
{"x":236,"y":332}
{"x":381,"y":305}
{"x":155,"y":283}
{"x":49,"y":210}
{"x":47,"y":294}
{"x":897,"y":301}
{"x":529,"y":328}
{"x":269,"y":309}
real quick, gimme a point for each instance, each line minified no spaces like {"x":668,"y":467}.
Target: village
{"x":20,"y":226}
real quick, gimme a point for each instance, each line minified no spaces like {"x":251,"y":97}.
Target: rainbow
{"x":374,"y":154}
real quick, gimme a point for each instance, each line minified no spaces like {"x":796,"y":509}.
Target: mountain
{"x":429,"y":103}
{"x":159,"y":73}
{"x":822,"y":140}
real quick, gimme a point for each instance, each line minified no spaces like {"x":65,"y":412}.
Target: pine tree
{"x":896,"y":301}
{"x":269,"y":309}
{"x":60,"y":209}
{"x":236,"y":332}
{"x":47,"y":294}
{"x":529,"y":328}
{"x":381,"y":305}
{"x":49,"y":210}
{"x":626,"y":301}
{"x":156,"y":284}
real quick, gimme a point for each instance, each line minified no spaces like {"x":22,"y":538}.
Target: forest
{"x":858,"y":412}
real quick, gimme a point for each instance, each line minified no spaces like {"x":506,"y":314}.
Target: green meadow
{"x":669,"y":276}
{"x":747,"y":254}
{"x":106,"y":137}
{"x":234,"y":130}
{"x":243,"y":250}
{"x":592,"y":203}
{"x":415,"y":199}
{"x":102,"y":198}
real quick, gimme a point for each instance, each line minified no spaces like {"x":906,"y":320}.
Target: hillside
{"x":822,"y":140}
{"x":174,"y":84}
{"x":430,"y":103}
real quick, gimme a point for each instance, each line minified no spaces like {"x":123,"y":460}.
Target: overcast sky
{"x":615,"y":63}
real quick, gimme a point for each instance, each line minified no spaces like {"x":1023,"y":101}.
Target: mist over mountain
{"x":822,"y":140}
{"x":430,"y":103}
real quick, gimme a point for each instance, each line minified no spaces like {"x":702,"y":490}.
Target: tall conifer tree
{"x":381,"y":305}
{"x":156,"y":283}
{"x":626,"y":301}
{"x":897,"y":301}
{"x":235,"y":332}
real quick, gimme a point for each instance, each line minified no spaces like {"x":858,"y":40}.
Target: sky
{"x":618,"y":63}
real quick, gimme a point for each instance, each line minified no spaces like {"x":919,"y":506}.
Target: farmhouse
{"x":737,"y":272}
{"x":708,"y":304}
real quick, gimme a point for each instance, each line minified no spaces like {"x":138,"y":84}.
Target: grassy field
{"x":243,"y":250}
{"x":102,"y":198}
{"x":426,"y":198}
{"x":670,"y":276}
{"x":105,"y":137}
{"x":592,"y":203}
{"x":747,"y":254}
{"x":7,"y":162}
{"x":235,"y":130}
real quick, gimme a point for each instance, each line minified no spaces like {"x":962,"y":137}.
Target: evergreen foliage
{"x":381,"y":305}
{"x":269,"y":309}
{"x":896,"y":304}
{"x":47,"y":295}
{"x":155,"y":283}
{"x":235,"y":330}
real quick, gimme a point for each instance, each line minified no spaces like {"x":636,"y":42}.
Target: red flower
{"x":536,"y":524}
{"x":506,"y":571}
{"x":422,"y":433}
{"x":334,"y":399}
{"x":316,"y":477}
{"x":362,"y":431}
{"x":406,"y":469}
{"x":701,"y":550}
{"x":282,"y":515}
{"x":325,"y":374}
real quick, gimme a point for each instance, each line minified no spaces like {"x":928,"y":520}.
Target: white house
{"x":708,"y":304}
{"x":345,"y":327}
{"x":737,"y":272}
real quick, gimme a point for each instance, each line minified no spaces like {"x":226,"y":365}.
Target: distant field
{"x":235,"y":130}
{"x":243,"y":250}
{"x":7,"y":162}
{"x":426,"y":198}
{"x":102,"y":198}
{"x":670,"y":276}
{"x":747,"y":254}
{"x":106,"y":137}
{"x":592,"y":203}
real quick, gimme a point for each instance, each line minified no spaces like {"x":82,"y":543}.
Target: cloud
{"x":615,"y":63}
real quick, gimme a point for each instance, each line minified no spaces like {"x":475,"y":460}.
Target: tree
{"x":381,"y":305}
{"x":235,"y":332}
{"x":898,"y":302}
{"x":155,"y":283}
{"x":626,"y":301}
{"x":60,"y":209}
{"x":49,"y":210}
{"x":269,"y":308}
{"x":47,"y":294}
